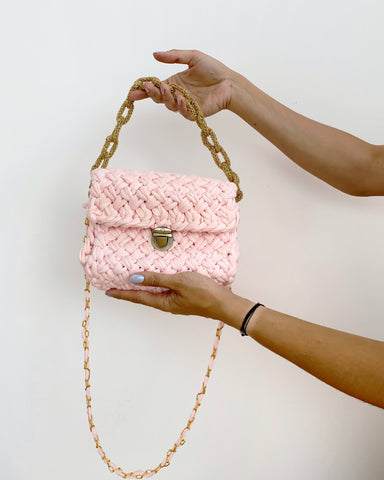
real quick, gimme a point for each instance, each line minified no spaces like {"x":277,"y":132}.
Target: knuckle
{"x":171,"y":107}
{"x":180,"y":279}
{"x":149,"y":279}
{"x":197,"y":54}
{"x":168,"y":94}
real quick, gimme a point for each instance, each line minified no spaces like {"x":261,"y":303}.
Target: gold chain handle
{"x":125,"y":113}
{"x":113,"y":468}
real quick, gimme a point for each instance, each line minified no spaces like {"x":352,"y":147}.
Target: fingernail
{"x":161,"y":51}
{"x":109,"y":294}
{"x":162,"y":90}
{"x":179,"y":101}
{"x":136,"y":278}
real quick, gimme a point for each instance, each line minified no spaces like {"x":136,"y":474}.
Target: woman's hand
{"x":208,"y":80}
{"x":190,"y":294}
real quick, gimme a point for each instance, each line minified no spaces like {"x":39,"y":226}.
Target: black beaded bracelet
{"x":248,"y":317}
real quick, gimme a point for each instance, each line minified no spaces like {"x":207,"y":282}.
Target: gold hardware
{"x":162,"y":238}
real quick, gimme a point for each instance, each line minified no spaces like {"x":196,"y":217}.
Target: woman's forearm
{"x":350,"y":363}
{"x":340,"y":159}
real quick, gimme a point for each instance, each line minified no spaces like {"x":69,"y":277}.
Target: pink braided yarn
{"x":126,"y":205}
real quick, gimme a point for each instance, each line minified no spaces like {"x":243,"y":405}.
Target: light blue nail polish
{"x":162,"y":90}
{"x":136,"y":278}
{"x":179,"y":101}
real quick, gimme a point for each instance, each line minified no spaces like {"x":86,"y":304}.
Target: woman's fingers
{"x":172,"y":281}
{"x":183,"y":108}
{"x":155,"y":300}
{"x":177,"y":104}
{"x":163,"y":95}
{"x":187,"y":57}
{"x":161,"y":301}
{"x":158,"y":95}
{"x":153,"y":92}
{"x":150,"y":91}
{"x":188,"y":293}
{"x":168,"y":98}
{"x":138,"y":95}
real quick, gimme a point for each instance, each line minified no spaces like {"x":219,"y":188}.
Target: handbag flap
{"x":152,"y":199}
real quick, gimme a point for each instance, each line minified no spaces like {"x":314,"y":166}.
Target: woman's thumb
{"x":155,"y":279}
{"x":187,"y":57}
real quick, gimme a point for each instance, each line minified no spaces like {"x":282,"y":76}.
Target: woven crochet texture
{"x":125,"y":206}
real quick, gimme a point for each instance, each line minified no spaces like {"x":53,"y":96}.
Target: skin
{"x":349,"y":363}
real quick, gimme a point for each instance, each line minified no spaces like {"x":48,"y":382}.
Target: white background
{"x":306,"y":249}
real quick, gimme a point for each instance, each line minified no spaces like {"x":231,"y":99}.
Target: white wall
{"x":306,"y":249}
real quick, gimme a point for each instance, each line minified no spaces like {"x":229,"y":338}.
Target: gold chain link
{"x":194,"y":109}
{"x":139,"y":474}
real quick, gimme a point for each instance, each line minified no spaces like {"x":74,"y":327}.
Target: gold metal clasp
{"x":162,"y":238}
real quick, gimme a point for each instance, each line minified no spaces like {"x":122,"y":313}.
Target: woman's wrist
{"x":233,"y":309}
{"x":240,"y":87}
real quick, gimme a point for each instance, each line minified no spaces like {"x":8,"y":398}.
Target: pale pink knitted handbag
{"x":162,"y":222}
